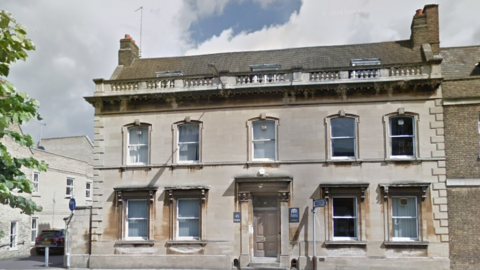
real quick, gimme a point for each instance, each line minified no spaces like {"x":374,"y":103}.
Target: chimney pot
{"x":127,"y":36}
{"x":419,"y":12}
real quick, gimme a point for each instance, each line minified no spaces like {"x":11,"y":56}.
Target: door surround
{"x":248,"y":186}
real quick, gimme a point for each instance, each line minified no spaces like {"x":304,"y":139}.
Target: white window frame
{"x":180,"y":144}
{"x":404,"y":217}
{"x":387,"y":119}
{"x":127,"y":219}
{"x":34,"y":228}
{"x":178,"y":237}
{"x":71,"y":187}
{"x":13,"y":234}
{"x":330,"y":138}
{"x":251,"y":139}
{"x":355,"y":218}
{"x":145,"y":128}
{"x":88,"y":189}
{"x":36,"y":182}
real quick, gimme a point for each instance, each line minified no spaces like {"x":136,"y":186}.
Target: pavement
{"x":36,"y":262}
{"x":33,"y":262}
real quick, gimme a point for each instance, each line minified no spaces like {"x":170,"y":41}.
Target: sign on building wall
{"x":294,"y":215}
{"x":237,"y":217}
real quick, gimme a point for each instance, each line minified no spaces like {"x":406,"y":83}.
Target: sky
{"x":78,"y":41}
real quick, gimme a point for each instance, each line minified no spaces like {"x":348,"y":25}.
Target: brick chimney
{"x":425,"y":28}
{"x":128,"y":51}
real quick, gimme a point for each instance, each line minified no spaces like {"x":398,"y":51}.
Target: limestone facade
{"x":296,"y":95}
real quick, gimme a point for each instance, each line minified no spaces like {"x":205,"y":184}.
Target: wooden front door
{"x":265,"y":224}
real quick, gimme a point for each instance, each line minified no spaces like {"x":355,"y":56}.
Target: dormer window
{"x":265,"y":67}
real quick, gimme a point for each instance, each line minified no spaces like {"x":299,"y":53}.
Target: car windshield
{"x":49,"y":234}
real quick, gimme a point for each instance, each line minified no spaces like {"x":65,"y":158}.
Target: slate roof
{"x":309,"y":58}
{"x":460,"y":62}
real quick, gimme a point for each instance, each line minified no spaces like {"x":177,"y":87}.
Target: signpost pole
{"x":314,"y":257}
{"x":71,"y":205}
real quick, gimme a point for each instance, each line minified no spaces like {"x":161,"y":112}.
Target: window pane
{"x":344,"y":227}
{"x":188,"y":133}
{"x":138,"y":153}
{"x":404,"y":207}
{"x":343,"y":127}
{"x":344,"y":207}
{"x":264,"y":149}
{"x":137,"y":228}
{"x":402,"y":146}
{"x":401,"y":126}
{"x":405,"y":228}
{"x":264,"y":130}
{"x":343,"y":147}
{"x":188,"y":208}
{"x":138,"y":135}
{"x":188,"y":152}
{"x":188,"y":228}
{"x":137,"y":209}
{"x":69,"y":182}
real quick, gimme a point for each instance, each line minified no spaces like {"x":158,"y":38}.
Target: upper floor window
{"x":69,"y":190}
{"x":88,"y":190}
{"x":264,"y":135}
{"x":188,"y":143}
{"x":138,"y":141}
{"x":402,"y":136}
{"x":343,"y":137}
{"x":187,"y":147}
{"x":36,"y":178}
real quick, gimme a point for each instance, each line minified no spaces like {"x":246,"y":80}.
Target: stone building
{"x":65,"y":178}
{"x":212,"y":161}
{"x":15,"y":225}
{"x":461,"y":91}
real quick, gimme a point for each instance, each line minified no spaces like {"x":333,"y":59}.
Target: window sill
{"x":187,"y":165}
{"x":187,"y":242}
{"x":135,"y":242}
{"x":346,"y":243}
{"x":343,"y":160}
{"x":417,"y":244}
{"x":402,"y":159}
{"x":136,"y":166}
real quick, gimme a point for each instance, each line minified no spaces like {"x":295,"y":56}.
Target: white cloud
{"x":348,"y":22}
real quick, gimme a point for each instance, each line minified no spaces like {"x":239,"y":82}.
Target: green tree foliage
{"x":15,"y":108}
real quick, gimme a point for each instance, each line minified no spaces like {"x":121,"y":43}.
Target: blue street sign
{"x":294,"y":214}
{"x":72,"y":204}
{"x":319,"y":203}
{"x":237,"y":217}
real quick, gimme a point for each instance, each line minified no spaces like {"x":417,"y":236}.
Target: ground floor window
{"x":188,"y":216}
{"x":137,"y":219}
{"x":404,"y":218}
{"x":344,"y":218}
{"x":34,"y":229}
{"x":187,"y":207}
{"x":13,"y":234}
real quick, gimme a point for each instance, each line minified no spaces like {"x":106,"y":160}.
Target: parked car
{"x":54,"y":239}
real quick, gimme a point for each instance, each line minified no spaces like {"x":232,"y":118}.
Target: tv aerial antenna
{"x":141,"y":22}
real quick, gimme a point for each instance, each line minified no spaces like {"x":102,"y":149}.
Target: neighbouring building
{"x":461,"y":91}
{"x":212,"y":161}
{"x":65,"y":178}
